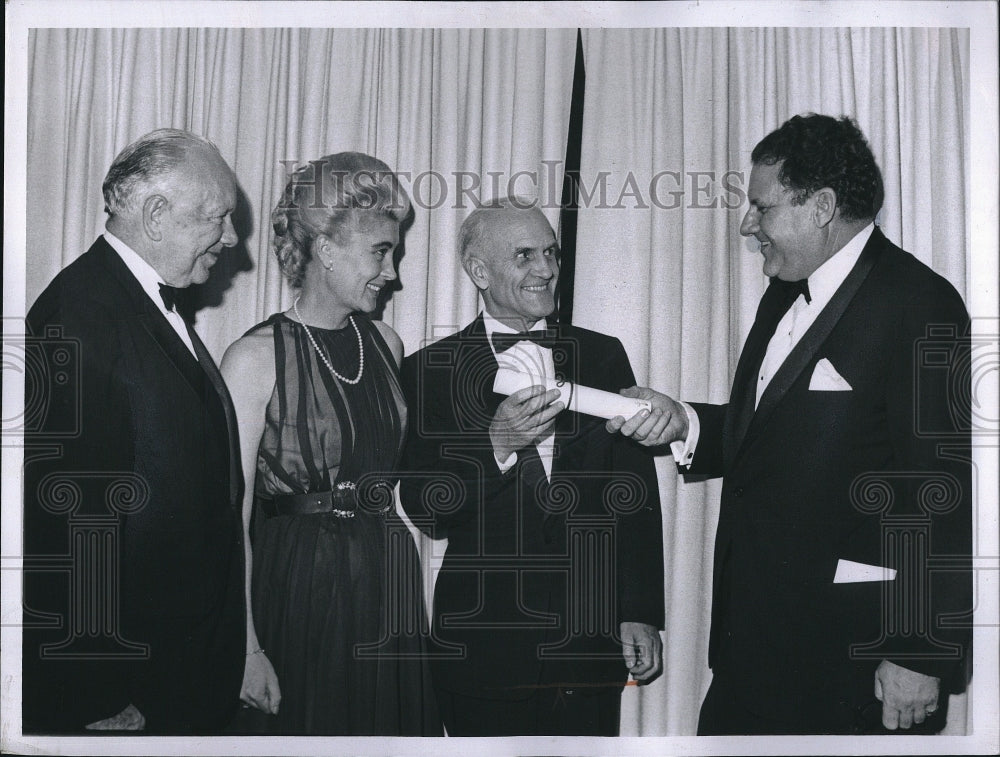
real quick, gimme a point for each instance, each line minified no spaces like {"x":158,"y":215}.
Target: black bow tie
{"x":170,"y":296}
{"x":802,"y":287}
{"x":542,"y":337}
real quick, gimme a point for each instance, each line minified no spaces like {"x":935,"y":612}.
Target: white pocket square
{"x":826,"y":379}
{"x":850,"y":572}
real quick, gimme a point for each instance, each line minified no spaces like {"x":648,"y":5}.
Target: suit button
{"x":738,"y":491}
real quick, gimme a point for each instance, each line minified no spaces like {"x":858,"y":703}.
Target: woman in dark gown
{"x":337,"y":633}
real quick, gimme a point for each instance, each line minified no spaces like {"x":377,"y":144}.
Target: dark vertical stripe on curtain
{"x":571,"y":184}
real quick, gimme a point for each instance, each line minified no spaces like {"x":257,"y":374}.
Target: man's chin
{"x":538,"y":310}
{"x":202,"y":271}
{"x":772,"y":272}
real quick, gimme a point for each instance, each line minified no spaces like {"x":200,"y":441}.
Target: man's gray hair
{"x":149,"y":158}
{"x":471,"y":235}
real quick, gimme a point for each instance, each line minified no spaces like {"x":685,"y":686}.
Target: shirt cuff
{"x":684,"y":450}
{"x":506,"y":465}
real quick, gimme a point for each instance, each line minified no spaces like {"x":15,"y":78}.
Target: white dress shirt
{"x":537,"y":361}
{"x":150,"y":282}
{"x":823,"y":284}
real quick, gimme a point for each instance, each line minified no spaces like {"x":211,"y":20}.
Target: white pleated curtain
{"x":422,"y":100}
{"x":669,"y":274}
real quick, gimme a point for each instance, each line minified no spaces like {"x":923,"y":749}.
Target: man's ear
{"x":152,"y":216}
{"x":825,"y":204}
{"x":477,"y":271}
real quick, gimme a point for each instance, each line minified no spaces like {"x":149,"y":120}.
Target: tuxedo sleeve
{"x":448,"y":465}
{"x":928,"y":416}
{"x":707,"y":460}
{"x":639,"y":532}
{"x":76,"y":442}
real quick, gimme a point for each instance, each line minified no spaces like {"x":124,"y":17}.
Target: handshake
{"x":664,"y":422}
{"x":528,"y":413}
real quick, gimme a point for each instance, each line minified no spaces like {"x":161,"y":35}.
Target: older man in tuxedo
{"x":841,"y":583}
{"x":134,"y":610}
{"x":551,"y":589}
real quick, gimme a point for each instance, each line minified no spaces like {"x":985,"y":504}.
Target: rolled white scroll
{"x":579,"y":399}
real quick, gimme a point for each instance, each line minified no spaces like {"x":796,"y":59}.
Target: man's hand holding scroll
{"x":522,"y":419}
{"x":665,"y":422}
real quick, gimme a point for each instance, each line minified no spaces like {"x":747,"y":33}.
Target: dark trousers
{"x":550,"y":711}
{"x":726,"y":712}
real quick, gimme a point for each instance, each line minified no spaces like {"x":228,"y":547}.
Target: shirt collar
{"x":144,"y":273}
{"x":827,"y":279}
{"x":494,"y":326}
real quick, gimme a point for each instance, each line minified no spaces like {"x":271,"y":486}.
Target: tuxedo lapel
{"x":152,"y":321}
{"x":804,"y":352}
{"x":222,"y":392}
{"x":566,"y":356}
{"x":773,"y":305}
{"x":159,"y":329}
{"x":199,"y":373}
{"x":475,"y":374}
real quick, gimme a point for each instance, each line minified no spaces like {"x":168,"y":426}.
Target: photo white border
{"x":984,"y":200}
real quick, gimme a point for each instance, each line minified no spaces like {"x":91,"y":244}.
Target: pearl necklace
{"x":322,"y":355}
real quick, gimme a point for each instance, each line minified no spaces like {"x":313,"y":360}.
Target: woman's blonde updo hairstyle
{"x":325,"y":197}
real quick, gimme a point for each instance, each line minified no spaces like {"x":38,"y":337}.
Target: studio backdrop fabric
{"x":442,"y":107}
{"x":670,"y":117}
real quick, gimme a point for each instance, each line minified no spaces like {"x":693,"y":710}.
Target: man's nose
{"x":544,"y":267}
{"x":229,"y":236}
{"x":749,"y":225}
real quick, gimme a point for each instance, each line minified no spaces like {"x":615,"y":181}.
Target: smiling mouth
{"x":536,"y":288}
{"x":376,"y":288}
{"x":763,"y":245}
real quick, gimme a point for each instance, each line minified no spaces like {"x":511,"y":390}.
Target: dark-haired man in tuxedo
{"x":841,"y":583}
{"x":551,"y":589}
{"x":134,"y":596}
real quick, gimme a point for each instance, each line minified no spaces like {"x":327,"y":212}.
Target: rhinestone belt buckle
{"x":346,"y":491}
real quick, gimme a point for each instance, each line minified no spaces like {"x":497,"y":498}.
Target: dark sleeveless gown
{"x":337,"y":601}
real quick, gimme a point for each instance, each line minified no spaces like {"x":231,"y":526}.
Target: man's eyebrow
{"x":518,"y":249}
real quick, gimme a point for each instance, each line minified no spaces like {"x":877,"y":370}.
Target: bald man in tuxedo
{"x":550,"y":593}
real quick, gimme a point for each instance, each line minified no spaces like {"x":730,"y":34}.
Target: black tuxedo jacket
{"x":536,"y":578}
{"x":878,"y":475}
{"x":133,"y":550}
